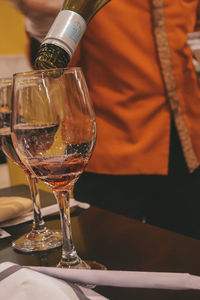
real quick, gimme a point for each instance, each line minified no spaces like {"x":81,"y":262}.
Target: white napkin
{"x":46,"y":283}
{"x":11,"y":207}
{"x":128,"y":279}
{"x":193,"y":40}
{"x":45,"y":212}
{"x":18,"y":283}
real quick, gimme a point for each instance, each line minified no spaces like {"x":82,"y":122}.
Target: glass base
{"x":81,"y":264}
{"x":38,"y":241}
{"x":75,"y":263}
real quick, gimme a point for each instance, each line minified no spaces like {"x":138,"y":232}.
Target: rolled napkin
{"x":21,"y":283}
{"x":12,"y":207}
{"x":49,"y":282}
{"x":128,"y":279}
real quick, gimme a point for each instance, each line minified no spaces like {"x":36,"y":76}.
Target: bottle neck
{"x":50,"y":56}
{"x":67,"y":31}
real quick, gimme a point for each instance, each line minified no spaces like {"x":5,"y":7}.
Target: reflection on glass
{"x":40,"y":238}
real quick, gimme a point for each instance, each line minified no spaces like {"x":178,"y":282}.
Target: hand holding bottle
{"x":39,"y":15}
{"x":62,"y":39}
{"x":38,"y":8}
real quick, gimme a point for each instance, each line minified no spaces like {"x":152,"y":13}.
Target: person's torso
{"x":121,"y":63}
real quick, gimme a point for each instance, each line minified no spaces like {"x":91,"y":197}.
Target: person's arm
{"x":39,"y":15}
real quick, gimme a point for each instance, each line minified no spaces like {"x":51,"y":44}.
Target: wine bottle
{"x":65,"y":33}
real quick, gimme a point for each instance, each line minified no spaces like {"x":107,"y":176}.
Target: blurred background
{"x":14,"y":43}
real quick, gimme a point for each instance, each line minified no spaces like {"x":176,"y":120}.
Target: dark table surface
{"x":118,"y":242}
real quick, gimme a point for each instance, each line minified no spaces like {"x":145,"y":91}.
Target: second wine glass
{"x":40,"y":238}
{"x":54,"y":132}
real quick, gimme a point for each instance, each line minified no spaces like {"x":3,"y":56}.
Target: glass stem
{"x":69,"y":254}
{"x":38,"y":222}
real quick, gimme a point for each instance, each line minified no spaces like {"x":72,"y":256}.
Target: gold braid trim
{"x":164,"y":56}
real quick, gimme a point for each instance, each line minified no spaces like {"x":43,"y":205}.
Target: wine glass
{"x":40,"y":238}
{"x":54,"y":132}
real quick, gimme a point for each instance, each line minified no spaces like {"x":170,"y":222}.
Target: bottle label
{"x":66,"y":31}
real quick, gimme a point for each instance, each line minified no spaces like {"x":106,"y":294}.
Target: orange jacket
{"x":139,"y":71}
